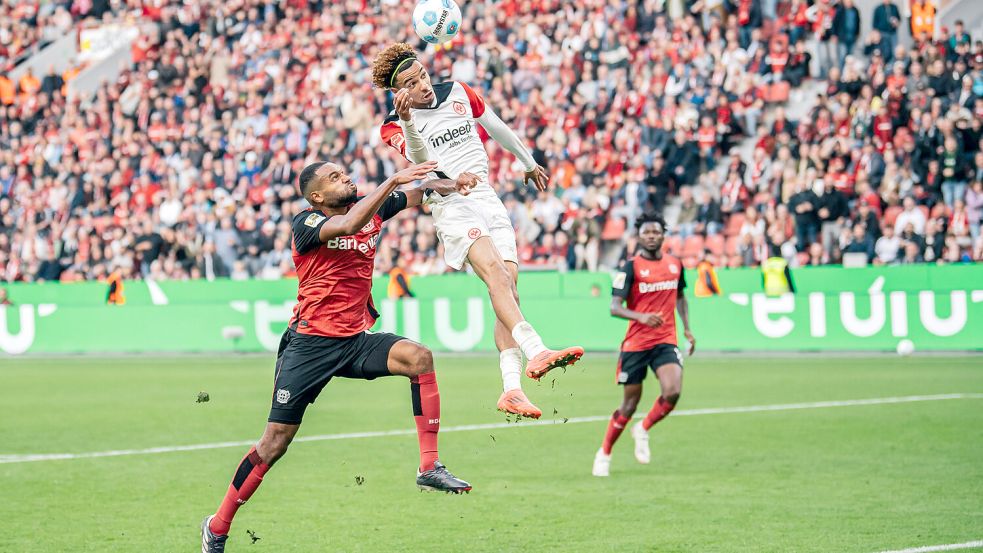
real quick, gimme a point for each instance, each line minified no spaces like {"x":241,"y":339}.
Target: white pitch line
{"x":947,"y":547}
{"x":29,"y":458}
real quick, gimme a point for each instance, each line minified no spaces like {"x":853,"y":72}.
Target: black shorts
{"x":633,"y":365}
{"x":305,"y":363}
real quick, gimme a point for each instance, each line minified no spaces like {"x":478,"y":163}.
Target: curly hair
{"x":387,"y":61}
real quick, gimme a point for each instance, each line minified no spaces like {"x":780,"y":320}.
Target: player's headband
{"x":401,"y":66}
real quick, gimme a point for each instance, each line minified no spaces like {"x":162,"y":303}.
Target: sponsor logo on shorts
{"x":474,"y":233}
{"x":459,"y":108}
{"x":282,"y":396}
{"x":622,"y":377}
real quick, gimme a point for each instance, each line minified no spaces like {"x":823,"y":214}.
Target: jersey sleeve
{"x":306,"y":230}
{"x":476,"y":101}
{"x":395,"y":203}
{"x":682,"y":282}
{"x":623,"y":280}
{"x":392,"y":134}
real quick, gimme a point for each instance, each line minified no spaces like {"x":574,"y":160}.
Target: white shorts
{"x":460,"y":220}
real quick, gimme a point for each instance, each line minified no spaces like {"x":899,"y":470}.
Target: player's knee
{"x":273,"y":445}
{"x":671,"y":396}
{"x":422,"y":361}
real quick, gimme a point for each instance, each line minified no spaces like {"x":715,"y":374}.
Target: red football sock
{"x":248,"y":477}
{"x":426,"y":412}
{"x":616,"y":425}
{"x":658,"y":412}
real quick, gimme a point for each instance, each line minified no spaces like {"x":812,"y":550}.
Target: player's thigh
{"x":385,"y":354}
{"x":459,"y":223}
{"x":667,"y":362}
{"x":304,"y":366}
{"x":488,"y":264}
{"x":500,"y":229}
{"x":632,"y":367}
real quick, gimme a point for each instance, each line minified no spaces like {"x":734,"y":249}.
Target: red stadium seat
{"x":690,"y":262}
{"x":614,"y":229}
{"x":941,"y":210}
{"x":734,"y":224}
{"x":692,"y":246}
{"x":735,"y":261}
{"x":715,"y":243}
{"x":891,"y":214}
{"x":730,"y":247}
{"x":672,"y":245}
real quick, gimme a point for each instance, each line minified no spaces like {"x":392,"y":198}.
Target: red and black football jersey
{"x":334,"y":293}
{"x":650,"y":286}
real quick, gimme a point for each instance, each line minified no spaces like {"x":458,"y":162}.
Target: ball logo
{"x":474,"y":233}
{"x":282,"y":396}
{"x":459,"y":108}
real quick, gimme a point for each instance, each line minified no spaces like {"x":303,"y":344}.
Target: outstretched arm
{"x":363,"y":211}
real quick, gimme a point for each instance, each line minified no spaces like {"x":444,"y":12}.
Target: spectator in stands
{"x":804,"y":203}
{"x":887,"y":20}
{"x":911,"y":215}
{"x":887,"y":247}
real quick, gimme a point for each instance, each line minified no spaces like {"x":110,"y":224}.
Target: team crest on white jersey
{"x":459,"y":108}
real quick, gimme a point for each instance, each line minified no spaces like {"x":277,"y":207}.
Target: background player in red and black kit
{"x":334,"y":244}
{"x":652,"y":285}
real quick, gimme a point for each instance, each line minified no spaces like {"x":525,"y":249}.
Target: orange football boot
{"x":516,"y":402}
{"x":548,"y":360}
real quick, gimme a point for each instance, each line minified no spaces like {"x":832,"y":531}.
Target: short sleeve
{"x":476,"y":101}
{"x":392,"y":134}
{"x":682,"y":281}
{"x":395,"y":203}
{"x":306,"y":230}
{"x":623,"y":280}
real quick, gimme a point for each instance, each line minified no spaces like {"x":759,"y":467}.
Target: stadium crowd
{"x":185,"y":167}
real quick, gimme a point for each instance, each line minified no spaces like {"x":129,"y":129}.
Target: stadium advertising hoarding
{"x":834,"y":309}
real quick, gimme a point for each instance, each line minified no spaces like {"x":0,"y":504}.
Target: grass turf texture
{"x":851,"y":479}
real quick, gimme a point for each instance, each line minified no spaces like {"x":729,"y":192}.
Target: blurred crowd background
{"x":754,"y":126}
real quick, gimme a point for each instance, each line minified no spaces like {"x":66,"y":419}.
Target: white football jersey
{"x":450,"y":131}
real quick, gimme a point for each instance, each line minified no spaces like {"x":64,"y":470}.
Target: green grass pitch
{"x":833,"y":479}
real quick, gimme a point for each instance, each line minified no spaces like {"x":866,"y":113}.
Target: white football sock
{"x":510,"y":360}
{"x":529,"y":340}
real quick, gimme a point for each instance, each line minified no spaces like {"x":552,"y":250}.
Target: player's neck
{"x":654,"y":256}
{"x":328,"y":210}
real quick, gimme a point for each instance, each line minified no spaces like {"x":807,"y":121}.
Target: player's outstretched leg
{"x":513,"y":399}
{"x":415,"y":361}
{"x":490,"y":267}
{"x":247,"y":478}
{"x":619,"y":420}
{"x":670,"y":380}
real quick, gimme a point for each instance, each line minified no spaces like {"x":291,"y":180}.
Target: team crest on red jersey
{"x":459,"y":108}
{"x":673,"y":269}
{"x":396,"y":141}
{"x":369,"y":227}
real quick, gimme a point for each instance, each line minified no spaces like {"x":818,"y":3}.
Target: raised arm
{"x":363,"y":211}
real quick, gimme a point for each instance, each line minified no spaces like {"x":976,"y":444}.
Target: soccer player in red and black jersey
{"x":334,"y":245}
{"x":651,"y":283}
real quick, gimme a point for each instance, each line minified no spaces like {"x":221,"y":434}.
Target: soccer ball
{"x":906,"y":347}
{"x":437,"y":21}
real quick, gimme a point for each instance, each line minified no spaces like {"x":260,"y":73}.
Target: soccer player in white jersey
{"x":439,"y":122}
